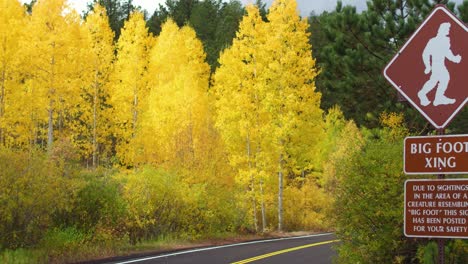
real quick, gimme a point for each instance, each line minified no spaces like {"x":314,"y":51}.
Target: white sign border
{"x":434,"y":172}
{"x":461,"y":24}
{"x":404,"y":208}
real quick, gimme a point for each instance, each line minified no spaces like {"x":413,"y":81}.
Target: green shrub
{"x":32,"y":189}
{"x":22,"y":256}
{"x":98,"y":203}
{"x":162,"y":203}
{"x":63,"y":241}
{"x":70,"y":244}
{"x":456,"y":252}
{"x":369,"y":200}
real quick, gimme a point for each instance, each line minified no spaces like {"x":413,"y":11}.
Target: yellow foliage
{"x":395,"y":125}
{"x":12,"y":31}
{"x":176,"y":130}
{"x":306,"y":206}
{"x":91,"y":128}
{"x":219,"y":150}
{"x":129,"y":85}
{"x":239,"y":115}
{"x":32,"y":189}
{"x":53,"y":48}
{"x":162,"y":203}
{"x":268,"y":112}
{"x":347,"y":143}
{"x":392,"y":120}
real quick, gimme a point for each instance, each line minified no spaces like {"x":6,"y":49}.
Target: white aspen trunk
{"x":280,"y":194}
{"x":95,"y":99}
{"x":303,"y":178}
{"x":252,"y":187}
{"x":50,"y":129}
{"x":191,"y":146}
{"x":135,"y":96}
{"x":2,"y":106}
{"x":135,"y":112}
{"x":254,"y":204}
{"x":262,"y":203}
{"x":34,"y":131}
{"x":264,"y":223}
{"x":262,"y":196}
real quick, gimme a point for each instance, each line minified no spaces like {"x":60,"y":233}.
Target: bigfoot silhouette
{"x":434,"y":55}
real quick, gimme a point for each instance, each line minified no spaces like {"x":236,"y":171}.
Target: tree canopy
{"x":352,"y":49}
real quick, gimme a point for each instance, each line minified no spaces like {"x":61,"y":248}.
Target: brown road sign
{"x":436,"y":155}
{"x":430,"y":69}
{"x":436,"y":208}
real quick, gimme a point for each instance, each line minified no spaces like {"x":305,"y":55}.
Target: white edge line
{"x":437,"y":136}
{"x":219,"y":247}
{"x":437,"y":180}
{"x":449,"y":237}
{"x":404,"y":156}
{"x":457,"y":21}
{"x":436,"y":172}
{"x":404,"y":209}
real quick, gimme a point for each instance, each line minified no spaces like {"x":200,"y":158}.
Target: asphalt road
{"x":314,"y":249}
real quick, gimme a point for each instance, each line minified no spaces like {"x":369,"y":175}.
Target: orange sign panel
{"x":436,"y":208}
{"x":436,"y":155}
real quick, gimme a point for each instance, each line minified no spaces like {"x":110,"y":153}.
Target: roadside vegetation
{"x":121,"y":132}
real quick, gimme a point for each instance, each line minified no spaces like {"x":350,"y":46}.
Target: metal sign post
{"x":441,"y":241}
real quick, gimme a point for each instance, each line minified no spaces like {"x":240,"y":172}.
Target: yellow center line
{"x":283,"y":251}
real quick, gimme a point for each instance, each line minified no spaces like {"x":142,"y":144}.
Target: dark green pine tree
{"x":156,"y":20}
{"x":117,"y":10}
{"x":214,"y":21}
{"x":459,"y":124}
{"x":230,"y":15}
{"x":204,"y":19}
{"x":29,"y":6}
{"x":127,"y":8}
{"x":181,"y":10}
{"x":463,"y":10}
{"x":262,"y":8}
{"x":353,"y":48}
{"x":216,"y":24}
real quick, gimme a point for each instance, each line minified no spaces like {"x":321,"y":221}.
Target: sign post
{"x":441,"y":241}
{"x":429,"y":71}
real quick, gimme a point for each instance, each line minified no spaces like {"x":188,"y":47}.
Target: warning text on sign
{"x":436,"y":208}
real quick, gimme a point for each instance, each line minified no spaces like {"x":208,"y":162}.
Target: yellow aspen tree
{"x":176,"y":131}
{"x":176,"y":124}
{"x":53,"y":53}
{"x":129,"y":85}
{"x":95,"y":112}
{"x":343,"y":141}
{"x":12,"y":30}
{"x":239,"y":114}
{"x":292,"y":102}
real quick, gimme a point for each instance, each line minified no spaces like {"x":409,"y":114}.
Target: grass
{"x":67,"y":246}
{"x":22,"y":256}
